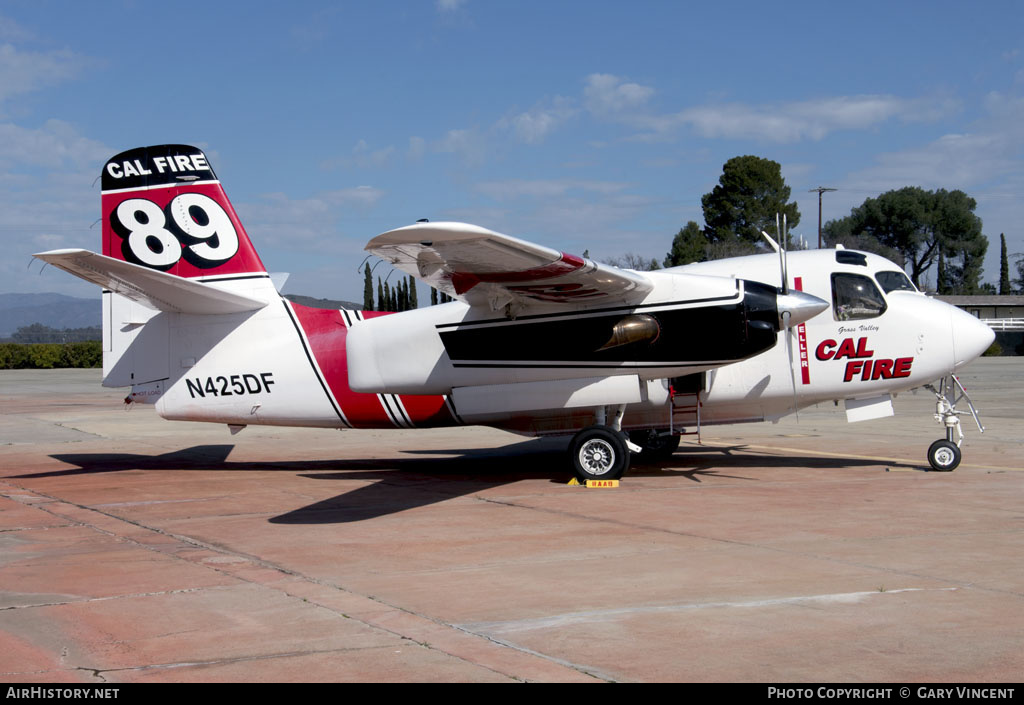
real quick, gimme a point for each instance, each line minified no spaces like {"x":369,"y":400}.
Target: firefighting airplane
{"x":537,"y":341}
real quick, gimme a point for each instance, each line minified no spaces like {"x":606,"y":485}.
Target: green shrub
{"x":20,"y":356}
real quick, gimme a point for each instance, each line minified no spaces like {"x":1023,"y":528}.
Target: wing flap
{"x":480,"y":266}
{"x":150,"y":287}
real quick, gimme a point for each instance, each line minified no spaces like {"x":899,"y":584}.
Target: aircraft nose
{"x":971,"y":337}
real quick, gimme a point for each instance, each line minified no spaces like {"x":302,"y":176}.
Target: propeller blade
{"x":786,"y":316}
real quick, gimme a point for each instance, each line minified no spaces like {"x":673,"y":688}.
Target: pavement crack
{"x":107,"y":598}
{"x":585,"y":670}
{"x":752,"y":544}
{"x":255,"y":560}
{"x":206,"y":663}
{"x":94,"y":672}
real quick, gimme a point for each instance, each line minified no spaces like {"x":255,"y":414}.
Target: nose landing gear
{"x":944,"y":454}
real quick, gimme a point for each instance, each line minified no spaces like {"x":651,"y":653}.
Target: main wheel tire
{"x":943,"y":455}
{"x":599,"y":453}
{"x":656,"y":446}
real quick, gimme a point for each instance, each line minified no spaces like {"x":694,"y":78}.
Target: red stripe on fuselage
{"x":801,"y":334}
{"x":326,"y":332}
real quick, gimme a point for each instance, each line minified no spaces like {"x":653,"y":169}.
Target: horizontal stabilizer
{"x":150,"y":287}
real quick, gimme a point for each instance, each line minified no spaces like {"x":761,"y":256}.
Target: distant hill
{"x":52,"y":310}
{"x":60,"y":311}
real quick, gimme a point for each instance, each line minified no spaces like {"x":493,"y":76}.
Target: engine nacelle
{"x":436,"y":349}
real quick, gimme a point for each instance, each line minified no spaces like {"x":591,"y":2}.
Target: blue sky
{"x":578,"y":125}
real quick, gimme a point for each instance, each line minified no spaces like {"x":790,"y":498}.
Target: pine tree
{"x":1005,"y":288}
{"x":381,"y":301}
{"x":942,"y":279}
{"x":433,"y":296}
{"x":413,"y":303}
{"x":367,"y":289}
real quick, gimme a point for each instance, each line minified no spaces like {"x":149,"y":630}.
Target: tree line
{"x":398,"y":297}
{"x":38,"y":346}
{"x":39,"y":333}
{"x":18,"y":356}
{"x":918,"y":229}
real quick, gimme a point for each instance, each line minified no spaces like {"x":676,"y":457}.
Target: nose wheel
{"x":943,"y":455}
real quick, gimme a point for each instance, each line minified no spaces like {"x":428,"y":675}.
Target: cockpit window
{"x":855,"y":297}
{"x":894,"y":281}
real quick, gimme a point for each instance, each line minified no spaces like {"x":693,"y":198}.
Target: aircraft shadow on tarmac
{"x":432,"y":476}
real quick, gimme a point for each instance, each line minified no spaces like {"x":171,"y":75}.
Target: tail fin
{"x":163,"y":208}
{"x":168,"y":230}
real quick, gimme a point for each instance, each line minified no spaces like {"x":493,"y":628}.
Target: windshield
{"x":894,"y":281}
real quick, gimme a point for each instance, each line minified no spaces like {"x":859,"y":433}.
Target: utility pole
{"x":820,"y":190}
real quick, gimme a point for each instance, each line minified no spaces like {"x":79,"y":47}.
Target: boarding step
{"x":685,"y":414}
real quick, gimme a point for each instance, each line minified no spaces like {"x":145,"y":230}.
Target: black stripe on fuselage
{"x":590,"y":312}
{"x":583,"y":366}
{"x":719,"y":331}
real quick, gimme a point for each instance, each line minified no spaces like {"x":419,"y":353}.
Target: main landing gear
{"x":944,"y":454}
{"x":599,"y":453}
{"x":604,"y":451}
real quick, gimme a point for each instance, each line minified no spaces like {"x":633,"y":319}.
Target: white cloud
{"x":362,"y":196}
{"x":311,"y":224}
{"x":989,"y":153}
{"x":497,"y":219}
{"x":952,"y":161}
{"x":48,"y":174}
{"x":985,"y":161}
{"x":362,"y":157}
{"x":11,"y":31}
{"x":26,"y":71}
{"x":48,"y":201}
{"x":468,"y":145}
{"x":799,"y":120}
{"x":519,"y":188}
{"x":602,"y":225}
{"x":533,"y":126}
{"x":417,"y":148}
{"x":606,"y":94}
{"x":55,"y":145}
{"x":449,"y":5}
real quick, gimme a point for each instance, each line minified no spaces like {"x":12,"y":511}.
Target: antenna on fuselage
{"x":780,"y":230}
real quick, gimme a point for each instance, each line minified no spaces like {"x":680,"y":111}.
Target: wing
{"x":482,"y":267}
